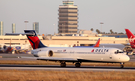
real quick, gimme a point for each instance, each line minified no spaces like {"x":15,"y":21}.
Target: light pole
{"x":26,"y":24}
{"x":101,"y":26}
{"x":54,"y":28}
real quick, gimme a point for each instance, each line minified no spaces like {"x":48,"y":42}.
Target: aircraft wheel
{"x":77,"y":65}
{"x":63,"y":64}
{"x":122,"y":65}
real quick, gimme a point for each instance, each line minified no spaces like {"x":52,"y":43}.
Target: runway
{"x":68,"y":68}
{"x":57,"y":67}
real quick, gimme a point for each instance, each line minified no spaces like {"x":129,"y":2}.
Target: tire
{"x":63,"y":64}
{"x":77,"y":65}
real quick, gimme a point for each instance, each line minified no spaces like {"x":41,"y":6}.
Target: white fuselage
{"x":84,"y":54}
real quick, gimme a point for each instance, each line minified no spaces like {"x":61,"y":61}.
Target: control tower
{"x":68,"y":17}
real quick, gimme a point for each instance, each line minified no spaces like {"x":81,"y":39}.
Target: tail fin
{"x":97,"y":43}
{"x":131,"y":38}
{"x":33,"y":39}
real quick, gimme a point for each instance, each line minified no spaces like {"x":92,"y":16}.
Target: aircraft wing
{"x":57,"y":59}
{"x":53,"y":58}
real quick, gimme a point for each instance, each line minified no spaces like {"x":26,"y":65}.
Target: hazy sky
{"x":115,"y":14}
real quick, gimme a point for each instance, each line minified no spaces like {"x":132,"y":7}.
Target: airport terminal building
{"x":62,"y":41}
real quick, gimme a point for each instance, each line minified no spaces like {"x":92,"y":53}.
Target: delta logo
{"x":99,"y":50}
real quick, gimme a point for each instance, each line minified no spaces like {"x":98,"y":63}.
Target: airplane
{"x":9,"y":49}
{"x":119,"y":46}
{"x":21,"y":48}
{"x":74,"y":55}
{"x":5,"y":49}
{"x":131,"y":38}
{"x":96,"y":45}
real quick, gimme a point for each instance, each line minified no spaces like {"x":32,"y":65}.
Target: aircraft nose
{"x":126,"y":58}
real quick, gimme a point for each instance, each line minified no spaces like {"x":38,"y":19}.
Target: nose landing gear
{"x":122,"y":65}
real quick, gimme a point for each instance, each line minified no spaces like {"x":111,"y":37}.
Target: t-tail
{"x":33,"y":39}
{"x":131,"y":37}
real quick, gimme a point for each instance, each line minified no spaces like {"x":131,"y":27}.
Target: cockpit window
{"x":118,"y":51}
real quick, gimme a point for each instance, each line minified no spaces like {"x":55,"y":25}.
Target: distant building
{"x":1,"y":28}
{"x":87,"y":33}
{"x":115,"y":35}
{"x":36,"y":26}
{"x":13,"y":28}
{"x":68,"y":17}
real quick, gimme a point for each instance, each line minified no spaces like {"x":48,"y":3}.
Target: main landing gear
{"x":63,"y":64}
{"x":122,"y":65}
{"x":77,"y":64}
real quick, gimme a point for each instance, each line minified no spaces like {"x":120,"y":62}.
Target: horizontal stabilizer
{"x":20,"y":34}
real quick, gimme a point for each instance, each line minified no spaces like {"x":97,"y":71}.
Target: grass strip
{"x":41,"y":75}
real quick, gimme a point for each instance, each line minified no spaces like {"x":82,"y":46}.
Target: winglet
{"x":97,"y":43}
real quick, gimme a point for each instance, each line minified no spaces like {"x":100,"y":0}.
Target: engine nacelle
{"x":47,"y":53}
